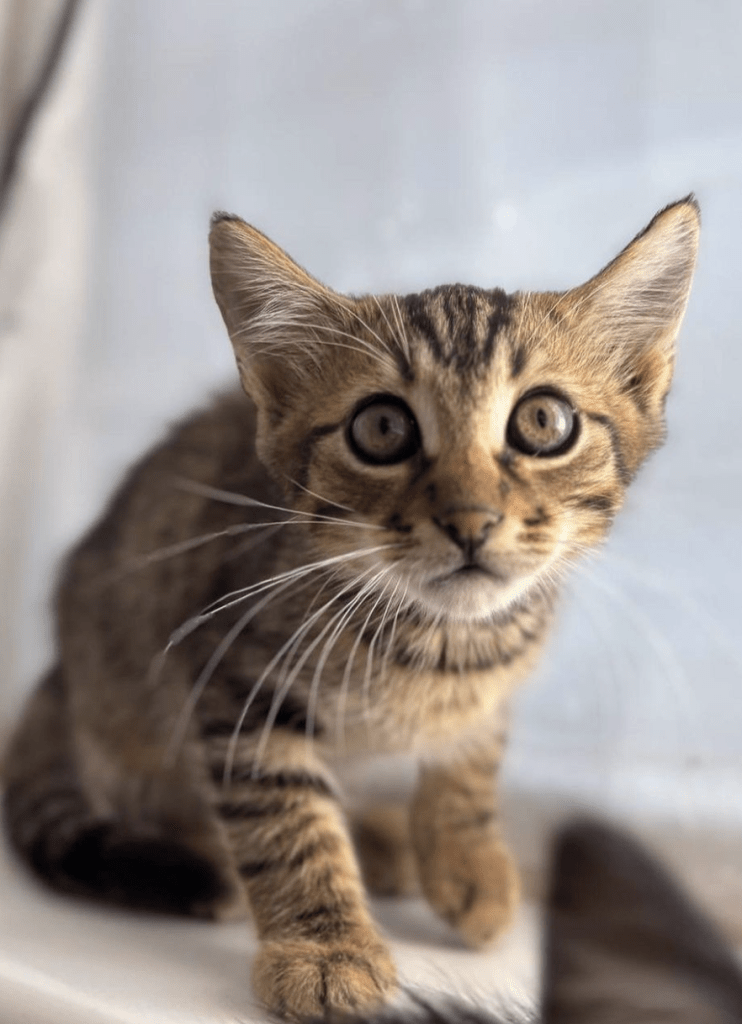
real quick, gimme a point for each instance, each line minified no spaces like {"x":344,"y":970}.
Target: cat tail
{"x":44,"y":805}
{"x":53,"y":827}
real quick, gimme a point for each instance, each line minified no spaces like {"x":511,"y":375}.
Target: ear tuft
{"x":220,"y":215}
{"x":689,"y":200}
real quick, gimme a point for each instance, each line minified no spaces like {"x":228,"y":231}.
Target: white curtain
{"x":49,"y":59}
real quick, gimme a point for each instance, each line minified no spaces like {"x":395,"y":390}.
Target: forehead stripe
{"x":499,"y":319}
{"x":518,"y":360}
{"x":419,"y":317}
{"x":450,"y":320}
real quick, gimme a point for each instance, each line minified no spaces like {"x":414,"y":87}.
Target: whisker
{"x":233,"y":498}
{"x":274,"y":345}
{"x":432,"y":626}
{"x":366,"y":690}
{"x":343,"y":309}
{"x":365,"y":694}
{"x":275,"y":348}
{"x":190,"y":625}
{"x":320,"y":497}
{"x":331,"y":576}
{"x":295,"y":638}
{"x":140,"y":562}
{"x":402,"y":333}
{"x":367,"y":588}
{"x":288,"y":677}
{"x":370,"y":329}
{"x":345,"y":682}
{"x":614,"y":661}
{"x":237,"y":596}
{"x":393,"y":631}
{"x":394,"y":332}
{"x":233,"y":598}
{"x":242,"y":549}
{"x":653,"y":580}
{"x":207,"y":672}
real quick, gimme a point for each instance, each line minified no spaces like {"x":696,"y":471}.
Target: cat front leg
{"x":466,"y":872}
{"x":320,"y":952}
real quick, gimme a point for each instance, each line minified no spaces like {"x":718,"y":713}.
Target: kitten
{"x":365,"y":558}
{"x":623,"y":946}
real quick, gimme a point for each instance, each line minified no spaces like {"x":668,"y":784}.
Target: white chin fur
{"x":469,"y":600}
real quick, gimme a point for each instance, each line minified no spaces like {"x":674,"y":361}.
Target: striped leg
{"x":466,"y":872}
{"x":320,"y":951}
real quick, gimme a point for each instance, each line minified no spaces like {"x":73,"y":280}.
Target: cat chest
{"x":354,"y":699}
{"x":420,"y":712}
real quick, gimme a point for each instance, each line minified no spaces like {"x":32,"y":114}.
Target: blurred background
{"x":389,"y":145}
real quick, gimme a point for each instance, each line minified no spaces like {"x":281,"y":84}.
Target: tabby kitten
{"x":363,"y":559}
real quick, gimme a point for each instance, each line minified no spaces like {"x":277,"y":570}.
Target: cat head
{"x":484,"y":439}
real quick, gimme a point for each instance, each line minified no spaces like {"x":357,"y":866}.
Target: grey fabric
{"x":33,"y":40}
{"x":48,"y":66}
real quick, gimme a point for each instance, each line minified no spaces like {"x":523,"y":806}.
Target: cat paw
{"x":474,"y":887}
{"x":302,"y":980}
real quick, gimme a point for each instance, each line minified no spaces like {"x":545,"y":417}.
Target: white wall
{"x":396,"y":144}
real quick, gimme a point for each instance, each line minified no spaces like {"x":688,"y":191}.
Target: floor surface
{"x":65,"y":962}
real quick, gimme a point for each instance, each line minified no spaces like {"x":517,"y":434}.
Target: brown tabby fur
{"x":188,"y":761}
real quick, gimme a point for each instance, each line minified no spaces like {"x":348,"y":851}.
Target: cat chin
{"x":464,"y":600}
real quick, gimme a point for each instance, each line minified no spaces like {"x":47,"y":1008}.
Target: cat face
{"x":483,"y":439}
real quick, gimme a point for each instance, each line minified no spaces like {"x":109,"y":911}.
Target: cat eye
{"x":543,"y":423}
{"x":383,"y":431}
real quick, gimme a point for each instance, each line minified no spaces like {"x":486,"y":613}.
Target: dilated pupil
{"x":384,"y":432}
{"x":542,"y":424}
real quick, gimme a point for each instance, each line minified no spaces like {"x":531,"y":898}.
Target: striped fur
{"x":363,"y":559}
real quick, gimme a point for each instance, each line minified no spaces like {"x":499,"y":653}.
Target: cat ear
{"x":274,"y":311}
{"x":634,"y":307}
{"x":624,"y":946}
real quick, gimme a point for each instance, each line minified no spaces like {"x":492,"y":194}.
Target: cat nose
{"x":469,"y":528}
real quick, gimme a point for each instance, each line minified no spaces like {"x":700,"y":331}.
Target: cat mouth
{"x":472,"y":591}
{"x":472,"y":571}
